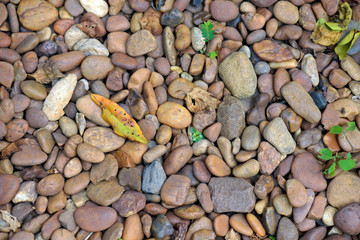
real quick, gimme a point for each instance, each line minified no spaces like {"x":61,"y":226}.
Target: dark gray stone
{"x":172,"y":18}
{"x":153,"y":178}
{"x":230,"y":194}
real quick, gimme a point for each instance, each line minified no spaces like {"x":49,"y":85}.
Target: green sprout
{"x":196,"y":135}
{"x":326,"y":154}
{"x":272,"y":237}
{"x":212,"y":55}
{"x":206,"y":31}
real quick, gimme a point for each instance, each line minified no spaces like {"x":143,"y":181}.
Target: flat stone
{"x":231,"y":194}
{"x":153,"y":178}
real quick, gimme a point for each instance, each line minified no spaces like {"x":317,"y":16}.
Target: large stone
{"x":270,"y":51}
{"x":347,"y":219}
{"x":94,"y":218}
{"x":36,"y":14}
{"x":140,"y":43}
{"x":307,"y":170}
{"x":231,"y":194}
{"x":287,"y":230}
{"x":238,"y":74}
{"x":301,"y":102}
{"x":278,"y":135}
{"x":343,"y":190}
{"x":9,"y":184}
{"x":231,"y":115}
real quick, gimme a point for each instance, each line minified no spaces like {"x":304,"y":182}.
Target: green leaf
{"x":326,"y":154}
{"x":331,"y":169}
{"x":351,"y":126}
{"x":334,"y":26}
{"x":196,"y":135}
{"x":347,"y":164}
{"x":346,"y":44}
{"x":212,"y":55}
{"x":206,"y":31}
{"x":272,"y":237}
{"x":336,"y":129}
{"x":348,"y":156}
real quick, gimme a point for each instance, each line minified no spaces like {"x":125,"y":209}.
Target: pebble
{"x":91,"y":111}
{"x":35,"y":15}
{"x":90,"y":47}
{"x":308,"y":65}
{"x":347,"y":219}
{"x":247,"y":170}
{"x":175,"y":190}
{"x":26,"y":193}
{"x":238,"y":74}
{"x":287,"y":230}
{"x":59,"y":97}
{"x":231,"y":194}
{"x":319,"y":100}
{"x":272,"y":132}
{"x":50,"y":185}
{"x":282,"y":205}
{"x":129,"y":203}
{"x":133,"y":228}
{"x":96,"y":67}
{"x":286,"y":12}
{"x":341,"y":190}
{"x":7,"y":77}
{"x":98,"y":7}
{"x":296,"y":193}
{"x":103,"y":138}
{"x":161,"y":227}
{"x":292,"y":92}
{"x":136,"y":43}
{"x":306,"y":169}
{"x":261,"y":68}
{"x":231,"y":115}
{"x":9,"y":185}
{"x":74,"y":35}
{"x":197,"y":41}
{"x":105,"y":192}
{"x":94,"y":218}
{"x":174,"y":115}
{"x":172,"y":18}
{"x":217,"y":166}
{"x":218,"y":7}
{"x":34,"y":90}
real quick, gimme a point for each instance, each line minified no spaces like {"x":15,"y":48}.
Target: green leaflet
{"x":206,"y":31}
{"x":212,"y":55}
{"x":336,"y":129}
{"x":347,"y":164}
{"x":348,"y":41}
{"x":326,"y":154}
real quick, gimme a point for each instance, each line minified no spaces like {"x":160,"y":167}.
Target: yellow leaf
{"x":123,"y":124}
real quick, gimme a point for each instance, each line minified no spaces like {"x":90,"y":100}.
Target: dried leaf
{"x":329,"y":33}
{"x":323,"y":35}
{"x":8,"y":222}
{"x":9,"y":150}
{"x":81,"y":122}
{"x":123,"y":124}
{"x":47,"y":71}
{"x":199,"y":99}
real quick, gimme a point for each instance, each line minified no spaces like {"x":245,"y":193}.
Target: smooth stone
{"x":296,"y":193}
{"x":98,"y":7}
{"x":174,"y":115}
{"x":59,"y":96}
{"x":301,"y":102}
{"x":270,"y":51}
{"x":278,"y":135}
{"x":74,"y":35}
{"x":9,"y":185}
{"x":197,"y":41}
{"x":238,"y":74}
{"x":161,"y":227}
{"x":153,"y":178}
{"x":287,"y":230}
{"x":91,"y":47}
{"x":94,"y":218}
{"x":269,"y":158}
{"x":347,"y":219}
{"x":26,"y":193}
{"x":308,"y":65}
{"x":91,"y":111}
{"x":130,"y":203}
{"x":231,"y":115}
{"x":105,"y":192}
{"x":103,"y":138}
{"x":342,"y":190}
{"x":306,"y":169}
{"x":140,"y":43}
{"x":175,"y":190}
